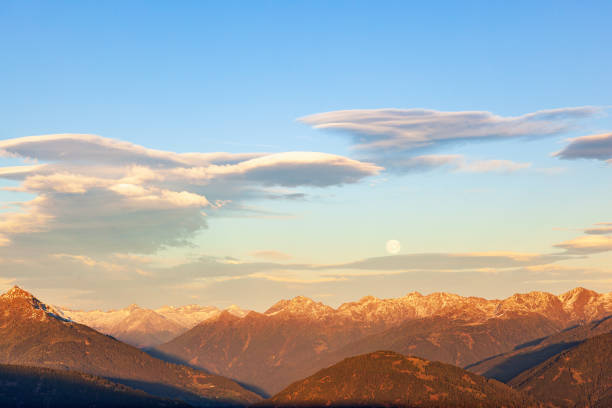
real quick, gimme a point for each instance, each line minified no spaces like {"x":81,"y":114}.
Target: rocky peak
{"x":578,"y":294}
{"x":583,"y":304}
{"x":224,"y":316}
{"x":237,"y":311}
{"x":300,"y":306}
{"x":23,"y":303}
{"x":544,"y":303}
{"x":16,"y":292}
{"x":133,"y":307}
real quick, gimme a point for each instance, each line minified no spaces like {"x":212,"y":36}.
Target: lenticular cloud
{"x":109,"y":195}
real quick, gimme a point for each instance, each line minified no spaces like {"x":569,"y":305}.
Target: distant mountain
{"x":385,"y":378}
{"x":506,"y":366}
{"x":34,"y":387}
{"x":296,"y":337}
{"x":266,"y":351}
{"x":453,"y":341}
{"x":144,"y":328}
{"x":190,"y":315}
{"x":33,"y":334}
{"x":578,"y":377}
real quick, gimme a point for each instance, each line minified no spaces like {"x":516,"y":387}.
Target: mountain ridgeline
{"x":144,"y":328}
{"x":389,"y":379}
{"x":297,"y":337}
{"x":550,"y":351}
{"x":578,"y":377}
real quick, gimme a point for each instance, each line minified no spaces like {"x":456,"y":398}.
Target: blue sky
{"x":236,"y":77}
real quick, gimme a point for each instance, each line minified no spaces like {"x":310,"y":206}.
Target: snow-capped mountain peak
{"x":300,"y":306}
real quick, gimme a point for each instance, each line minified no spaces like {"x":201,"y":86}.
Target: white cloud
{"x":495,"y":166}
{"x":110,"y":195}
{"x":83,"y":148}
{"x":392,"y":137}
{"x":407,"y":129}
{"x":459,"y":163}
{"x":33,"y":218}
{"x":288,"y":169}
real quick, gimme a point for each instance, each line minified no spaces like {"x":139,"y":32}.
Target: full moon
{"x":393,"y":246}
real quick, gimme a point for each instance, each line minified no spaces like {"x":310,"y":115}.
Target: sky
{"x":221,"y":153}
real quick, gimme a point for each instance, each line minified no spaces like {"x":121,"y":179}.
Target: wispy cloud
{"x":598,"y":239}
{"x":459,"y":163}
{"x":450,"y":261}
{"x":601,"y":228}
{"x":270,"y":255}
{"x":589,"y":244}
{"x":393,"y":137}
{"x":598,"y":147}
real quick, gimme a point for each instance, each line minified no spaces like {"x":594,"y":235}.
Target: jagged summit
{"x":300,"y":306}
{"x":22,"y":303}
{"x":17,"y":292}
{"x":577,"y":294}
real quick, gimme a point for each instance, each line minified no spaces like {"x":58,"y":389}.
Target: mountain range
{"x":295,"y":338}
{"x":550,"y":351}
{"x":147,"y":328}
{"x":143,"y":327}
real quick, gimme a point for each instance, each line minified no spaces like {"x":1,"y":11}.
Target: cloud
{"x":394,"y":136}
{"x":118,"y":269}
{"x":408,"y":129}
{"x":288,"y":169}
{"x":152,"y":278}
{"x":458,"y":163}
{"x":85,"y":149}
{"x":598,"y":147}
{"x":450,"y":262}
{"x":33,"y":218}
{"x":294,"y":279}
{"x":96,"y":194}
{"x":589,"y":244}
{"x":601,"y":228}
{"x":271,"y":255}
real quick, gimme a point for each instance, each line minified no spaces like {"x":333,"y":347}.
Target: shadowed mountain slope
{"x":32,"y":334}
{"x":451,"y":341}
{"x":578,"y":377}
{"x":264,"y":351}
{"x":35,"y":387}
{"x":386,"y":378}
{"x":506,"y":366}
